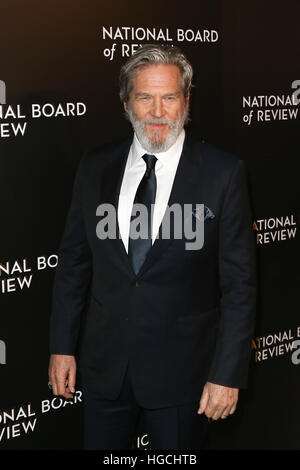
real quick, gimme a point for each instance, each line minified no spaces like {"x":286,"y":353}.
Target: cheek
{"x":140,"y":110}
{"x":174,"y":112}
{"x":180,"y":110}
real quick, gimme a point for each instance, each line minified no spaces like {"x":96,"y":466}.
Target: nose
{"x":157,"y":108}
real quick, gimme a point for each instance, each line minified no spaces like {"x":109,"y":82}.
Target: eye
{"x":144,"y":98}
{"x":170,"y":98}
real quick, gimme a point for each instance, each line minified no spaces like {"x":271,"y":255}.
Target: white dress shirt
{"x":165,"y":169}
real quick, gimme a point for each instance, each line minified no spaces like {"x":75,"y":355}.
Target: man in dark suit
{"x":167,"y":327}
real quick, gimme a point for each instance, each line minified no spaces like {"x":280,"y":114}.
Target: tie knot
{"x":150,"y":161}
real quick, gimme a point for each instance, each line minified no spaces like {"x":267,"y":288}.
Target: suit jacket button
{"x":137,"y":283}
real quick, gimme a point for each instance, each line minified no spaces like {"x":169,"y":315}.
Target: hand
{"x":62,"y":374}
{"x":218,"y":401}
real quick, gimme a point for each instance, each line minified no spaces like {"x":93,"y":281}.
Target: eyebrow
{"x":137,"y":95}
{"x":175,"y":94}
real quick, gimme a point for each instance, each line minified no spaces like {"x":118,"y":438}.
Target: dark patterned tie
{"x":145,"y":194}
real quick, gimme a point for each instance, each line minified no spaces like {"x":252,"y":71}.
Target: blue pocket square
{"x":208,"y":214}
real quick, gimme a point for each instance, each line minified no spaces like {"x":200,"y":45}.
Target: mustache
{"x":161,"y":121}
{"x":156,"y":121}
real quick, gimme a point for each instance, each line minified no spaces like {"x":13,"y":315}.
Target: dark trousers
{"x":111,"y":424}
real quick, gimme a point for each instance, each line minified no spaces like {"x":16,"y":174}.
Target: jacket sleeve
{"x":73,"y":274}
{"x":237,"y":274}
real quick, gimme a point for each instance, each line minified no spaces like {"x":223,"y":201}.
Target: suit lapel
{"x":109,"y":193}
{"x":183,"y":192}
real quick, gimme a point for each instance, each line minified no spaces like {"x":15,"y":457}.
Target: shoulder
{"x":107,"y":152}
{"x":102,"y":156}
{"x":98,"y":158}
{"x":212,"y":154}
{"x":214,"y":161}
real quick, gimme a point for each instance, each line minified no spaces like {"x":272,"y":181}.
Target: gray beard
{"x":175,"y":127}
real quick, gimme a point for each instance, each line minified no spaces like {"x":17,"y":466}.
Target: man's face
{"x":157,"y":107}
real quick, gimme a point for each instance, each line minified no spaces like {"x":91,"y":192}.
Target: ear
{"x":187,"y":99}
{"x":125,"y":106}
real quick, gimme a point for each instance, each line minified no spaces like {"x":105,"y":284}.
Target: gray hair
{"x":154,"y":54}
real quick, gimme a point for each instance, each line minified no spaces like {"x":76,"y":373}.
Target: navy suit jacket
{"x":188,"y":316}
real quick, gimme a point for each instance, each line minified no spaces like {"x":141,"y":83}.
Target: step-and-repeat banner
{"x":59,"y":97}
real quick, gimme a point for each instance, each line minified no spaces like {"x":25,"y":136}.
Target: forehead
{"x":157,"y":77}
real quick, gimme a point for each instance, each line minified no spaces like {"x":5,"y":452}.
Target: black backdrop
{"x":245,"y":100}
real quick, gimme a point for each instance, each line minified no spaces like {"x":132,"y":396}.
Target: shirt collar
{"x":166,"y":158}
